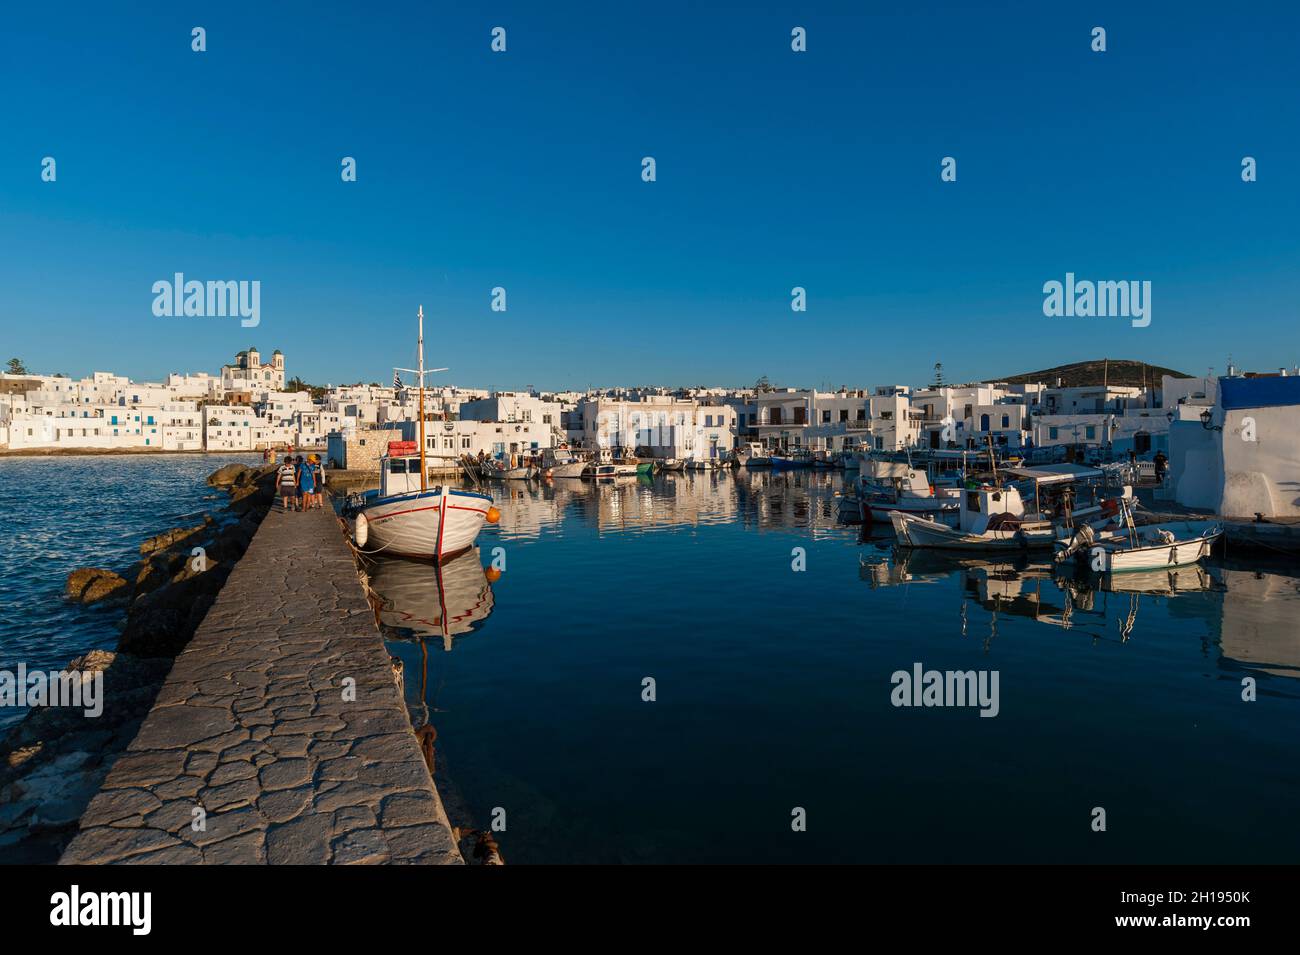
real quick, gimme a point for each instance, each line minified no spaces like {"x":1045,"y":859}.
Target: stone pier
{"x":257,"y":750}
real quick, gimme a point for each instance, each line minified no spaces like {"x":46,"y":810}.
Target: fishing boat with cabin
{"x":995,"y":516}
{"x":406,"y":517}
{"x":562,"y":462}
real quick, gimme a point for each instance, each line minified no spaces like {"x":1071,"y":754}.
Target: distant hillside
{"x":1116,"y":371}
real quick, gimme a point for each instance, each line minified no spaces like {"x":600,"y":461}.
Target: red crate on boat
{"x":397,"y":449}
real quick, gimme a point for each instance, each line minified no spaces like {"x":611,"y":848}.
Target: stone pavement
{"x":252,"y":735}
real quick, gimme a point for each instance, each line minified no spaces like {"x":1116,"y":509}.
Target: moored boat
{"x":995,"y":517}
{"x":408,"y":518}
{"x":1129,"y":547}
{"x":888,"y":486}
{"x":562,"y":462}
{"x":753,"y":456}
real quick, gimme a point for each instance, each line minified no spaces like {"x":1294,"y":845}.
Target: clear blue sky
{"x":775,"y":169}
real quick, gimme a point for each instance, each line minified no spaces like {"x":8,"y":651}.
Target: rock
{"x":228,"y":476}
{"x":174,"y":536}
{"x":245,"y":498}
{"x":93,"y":584}
{"x":154,"y":632}
{"x":161,"y":622}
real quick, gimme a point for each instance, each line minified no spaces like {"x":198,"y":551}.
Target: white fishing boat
{"x":406,"y":517}
{"x":672,"y":464}
{"x":562,"y":462}
{"x":887,"y":486}
{"x":605,"y":465}
{"x":753,"y":456}
{"x":995,"y":517}
{"x":1128,"y":547}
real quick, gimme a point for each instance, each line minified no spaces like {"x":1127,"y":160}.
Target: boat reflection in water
{"x":1038,"y":590}
{"x":420,"y":602}
{"x":423,"y":600}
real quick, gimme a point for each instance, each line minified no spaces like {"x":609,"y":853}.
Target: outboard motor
{"x":1081,"y":541}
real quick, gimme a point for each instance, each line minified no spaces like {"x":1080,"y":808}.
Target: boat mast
{"x":423,"y":476}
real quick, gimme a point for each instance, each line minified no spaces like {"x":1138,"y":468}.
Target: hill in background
{"x":1115,"y":371}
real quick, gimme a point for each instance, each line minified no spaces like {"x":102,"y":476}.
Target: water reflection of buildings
{"x":761,"y":499}
{"x":1259,"y":629}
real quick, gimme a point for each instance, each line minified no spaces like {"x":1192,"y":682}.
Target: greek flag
{"x":397,"y":382}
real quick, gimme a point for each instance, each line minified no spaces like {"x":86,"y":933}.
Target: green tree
{"x":16,"y":367}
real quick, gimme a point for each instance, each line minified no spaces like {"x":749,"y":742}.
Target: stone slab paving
{"x":252,"y":727}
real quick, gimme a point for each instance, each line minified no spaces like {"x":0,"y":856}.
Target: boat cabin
{"x":989,"y":505}
{"x":905,"y":480}
{"x":399,"y":474}
{"x":561,"y":455}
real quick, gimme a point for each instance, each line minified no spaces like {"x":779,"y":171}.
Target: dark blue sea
{"x":61,"y":513}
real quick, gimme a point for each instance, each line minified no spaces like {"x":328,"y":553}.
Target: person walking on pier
{"x":287,"y":480}
{"x":306,"y":484}
{"x":318,"y":479}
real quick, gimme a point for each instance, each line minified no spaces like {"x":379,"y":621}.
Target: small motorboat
{"x":1129,"y":547}
{"x":562,"y":462}
{"x":888,"y":486}
{"x":753,"y":456}
{"x":605,"y":465}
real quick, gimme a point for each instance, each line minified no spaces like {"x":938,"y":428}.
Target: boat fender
{"x":361,"y":530}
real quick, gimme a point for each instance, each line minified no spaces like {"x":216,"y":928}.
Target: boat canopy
{"x":1055,"y":473}
{"x":888,"y":469}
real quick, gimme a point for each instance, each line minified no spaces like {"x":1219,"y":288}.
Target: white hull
{"x":913,"y":531}
{"x":572,"y":470}
{"x":1157,"y":556}
{"x":429,"y":525}
{"x":925,"y":505}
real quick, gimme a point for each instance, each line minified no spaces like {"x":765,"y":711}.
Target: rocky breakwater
{"x":55,"y":759}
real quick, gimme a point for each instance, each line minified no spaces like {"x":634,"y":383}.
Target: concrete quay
{"x":280,"y":736}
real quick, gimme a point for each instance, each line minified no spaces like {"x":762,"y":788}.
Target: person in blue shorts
{"x":306,"y":484}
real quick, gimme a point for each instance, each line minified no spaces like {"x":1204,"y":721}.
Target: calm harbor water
{"x":62,"y":513}
{"x":773,"y":686}
{"x":773,"y":689}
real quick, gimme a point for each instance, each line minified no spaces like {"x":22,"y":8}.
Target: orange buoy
{"x":493,"y":515}
{"x":492,"y":574}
